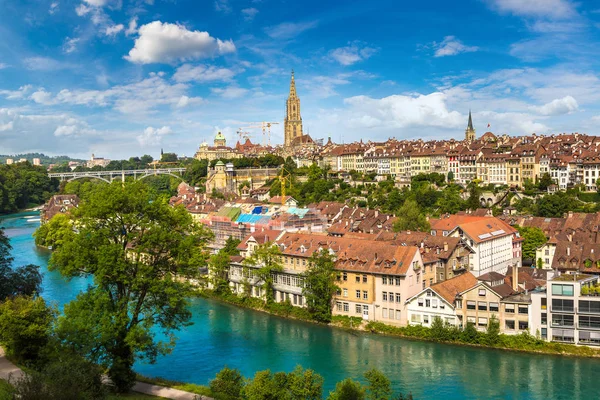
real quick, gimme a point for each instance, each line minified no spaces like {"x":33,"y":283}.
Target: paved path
{"x":10,"y":370}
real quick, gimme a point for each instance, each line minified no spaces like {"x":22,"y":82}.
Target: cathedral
{"x":292,"y":125}
{"x":470,"y":131}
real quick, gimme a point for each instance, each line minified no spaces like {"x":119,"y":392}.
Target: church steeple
{"x":470,"y":131}
{"x":292,"y":125}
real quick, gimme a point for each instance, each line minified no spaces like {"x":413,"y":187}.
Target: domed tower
{"x":220,"y":140}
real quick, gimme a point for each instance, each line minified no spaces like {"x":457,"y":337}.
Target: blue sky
{"x":126,"y":77}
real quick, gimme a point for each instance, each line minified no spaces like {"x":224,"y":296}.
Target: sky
{"x":121,"y":78}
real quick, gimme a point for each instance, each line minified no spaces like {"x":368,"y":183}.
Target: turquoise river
{"x":251,"y":341}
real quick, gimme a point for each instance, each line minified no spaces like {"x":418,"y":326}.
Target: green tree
{"x":141,"y":253}
{"x":264,"y":261}
{"x":319,"y":285}
{"x":555,"y":205}
{"x":267,"y":386}
{"x":378,"y":385}
{"x":545,"y":181}
{"x":492,"y":334}
{"x":473,"y":202}
{"x":305,"y":384}
{"x":410,"y":218}
{"x":469,"y":333}
{"x":169,"y":157}
{"x":438,"y":330}
{"x":228,"y":384}
{"x":21,"y":281}
{"x":25,"y":326}
{"x":219,"y":265}
{"x":450,"y":176}
{"x":53,"y":232}
{"x":540,"y":263}
{"x":450,"y":201}
{"x":348,"y":389}
{"x":533,"y":238}
{"x":231,"y":245}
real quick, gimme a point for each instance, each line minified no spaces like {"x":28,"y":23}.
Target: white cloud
{"x":42,"y":97}
{"x":3,"y":65}
{"x":288,"y":30}
{"x":166,"y":43}
{"x":554,"y":9}
{"x":202,"y":73}
{"x":16,"y":94}
{"x":566,"y":105}
{"x":352,"y":53}
{"x":249,"y":13}
{"x":132,"y":27}
{"x":6,"y":127}
{"x":70,"y":45}
{"x":82,"y":10}
{"x":230,"y":92}
{"x":113,"y":29}
{"x":153,"y":136}
{"x":451,"y":46}
{"x":97,"y":3}
{"x":222,"y":6}
{"x":400,"y":111}
{"x":45,"y":64}
{"x":53,"y":8}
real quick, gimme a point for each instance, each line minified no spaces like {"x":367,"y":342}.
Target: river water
{"x":224,"y":335}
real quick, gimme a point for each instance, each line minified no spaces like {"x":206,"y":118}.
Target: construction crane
{"x":242,"y":134}
{"x":265,"y":126}
{"x":283,"y":178}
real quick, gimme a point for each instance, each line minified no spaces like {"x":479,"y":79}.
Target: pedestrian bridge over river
{"x":108,"y":176}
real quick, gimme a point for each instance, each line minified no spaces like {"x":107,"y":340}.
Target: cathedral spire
{"x":469,"y":126}
{"x":293,"y":121}
{"x":470,"y":131}
{"x":292,"y":86}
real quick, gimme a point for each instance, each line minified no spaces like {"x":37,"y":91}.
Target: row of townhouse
{"x":568,"y":159}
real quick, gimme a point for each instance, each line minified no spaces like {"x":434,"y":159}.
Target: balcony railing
{"x":569,"y":310}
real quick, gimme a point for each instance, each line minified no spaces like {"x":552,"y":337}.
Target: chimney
{"x":376,"y":213}
{"x":422,"y":244}
{"x":515,"y":278}
{"x":570,"y":237}
{"x":445,"y":246}
{"x":568,"y":251}
{"x":570,"y":214}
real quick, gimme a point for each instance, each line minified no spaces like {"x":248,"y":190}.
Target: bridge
{"x":108,"y":176}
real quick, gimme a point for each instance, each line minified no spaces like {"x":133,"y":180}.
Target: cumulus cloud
{"x":566,"y":105}
{"x":82,"y":10}
{"x":166,"y":43}
{"x":288,"y":30}
{"x":42,"y":97}
{"x":6,"y":127}
{"x":97,"y":3}
{"x":230,"y":92}
{"x":202,"y":73}
{"x":554,"y":9}
{"x":132,"y":27}
{"x":53,"y":8}
{"x":451,"y":46}
{"x":112,"y":30}
{"x":16,"y":94}
{"x":249,"y":13}
{"x":153,"y":136}
{"x":400,"y":111}
{"x":352,"y":53}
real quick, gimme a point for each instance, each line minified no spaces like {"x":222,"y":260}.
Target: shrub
{"x":348,"y":389}
{"x":227,"y":385}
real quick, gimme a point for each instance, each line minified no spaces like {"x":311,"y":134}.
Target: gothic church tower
{"x":470,"y":131}
{"x":293,"y":121}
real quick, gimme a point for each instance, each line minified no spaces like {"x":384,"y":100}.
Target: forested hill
{"x":24,"y":185}
{"x":46,"y":160}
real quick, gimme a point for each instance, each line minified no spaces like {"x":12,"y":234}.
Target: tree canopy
{"x":319,"y":285}
{"x":533,"y":237}
{"x":410,"y":218}
{"x":140,"y":253}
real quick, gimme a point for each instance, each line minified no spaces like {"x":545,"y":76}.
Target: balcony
{"x":568,"y":310}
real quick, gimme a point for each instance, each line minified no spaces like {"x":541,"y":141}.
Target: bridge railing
{"x":114,"y":173}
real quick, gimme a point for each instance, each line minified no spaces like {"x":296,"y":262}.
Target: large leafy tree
{"x":319,"y":285}
{"x":533,"y":237}
{"x":264,"y":262}
{"x":555,"y":205}
{"x":410,"y":218}
{"x":141,"y":254}
{"x":21,"y":281}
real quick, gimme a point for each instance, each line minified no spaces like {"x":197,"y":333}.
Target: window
{"x":544,"y":303}
{"x":544,"y":333}
{"x":509,"y":308}
{"x":509,"y":324}
{"x":494,"y":307}
{"x":482,"y":322}
{"x":398,"y":299}
{"x":338,"y":292}
{"x":563,"y":335}
{"x":384,"y":296}
{"x":544,"y":319}
{"x":357,"y":278}
{"x":562,"y":305}
{"x":523,"y":325}
{"x":482,"y":292}
{"x":296,"y":299}
{"x":366,"y":310}
{"x":586,"y":321}
{"x":416,"y":318}
{"x":364,"y":279}
{"x":562,"y":290}
{"x":345,"y":292}
{"x":397,"y":281}
{"x":589,"y":337}
{"x":442,"y":305}
{"x":384,"y":313}
{"x":346,"y":307}
{"x":471,"y":305}
{"x":458,"y":303}
{"x":398,"y":315}
{"x":420,"y":302}
{"x":365,"y":295}
{"x":586,"y":306}
{"x":358,"y":294}
{"x":427,"y":303}
{"x":482,"y":306}
{"x":300,"y":300}
{"x":425,"y":319}
{"x":523,"y":310}
{"x":338,"y":304}
{"x":434,"y":303}
{"x":563,"y":320}
{"x":384,"y":280}
{"x":345,"y":276}
{"x":358,"y":309}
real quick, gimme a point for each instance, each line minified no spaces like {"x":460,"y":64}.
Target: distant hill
{"x":46,"y":160}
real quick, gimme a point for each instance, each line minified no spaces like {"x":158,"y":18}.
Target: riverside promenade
{"x":8,"y":370}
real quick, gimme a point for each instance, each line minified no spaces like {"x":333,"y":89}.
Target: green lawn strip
{"x":186,"y":387}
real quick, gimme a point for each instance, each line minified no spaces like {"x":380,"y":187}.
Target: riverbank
{"x":523,"y":343}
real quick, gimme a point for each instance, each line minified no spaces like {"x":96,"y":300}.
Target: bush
{"x":227,"y":385}
{"x":348,"y":389}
